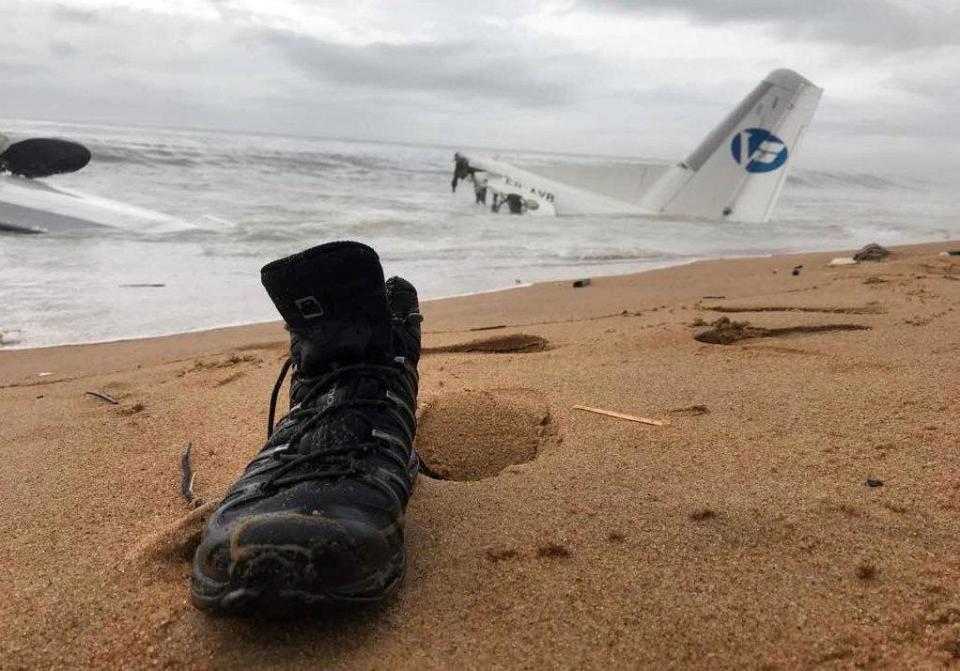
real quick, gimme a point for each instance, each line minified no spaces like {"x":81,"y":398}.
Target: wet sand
{"x":800,"y":508}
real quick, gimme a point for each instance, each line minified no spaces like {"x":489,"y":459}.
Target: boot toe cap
{"x":304,"y":555}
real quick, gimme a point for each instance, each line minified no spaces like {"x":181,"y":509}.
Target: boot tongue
{"x":333,"y":300}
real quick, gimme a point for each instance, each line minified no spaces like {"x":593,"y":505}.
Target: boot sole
{"x":272,"y":584}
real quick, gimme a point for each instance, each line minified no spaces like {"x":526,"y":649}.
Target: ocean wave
{"x":131,"y":155}
{"x":829,"y":179}
{"x":295,"y":160}
{"x":609,"y":257}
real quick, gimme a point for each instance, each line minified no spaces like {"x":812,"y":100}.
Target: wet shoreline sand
{"x":799,"y":508}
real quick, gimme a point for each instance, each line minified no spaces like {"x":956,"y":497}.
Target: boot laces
{"x":330,"y":462}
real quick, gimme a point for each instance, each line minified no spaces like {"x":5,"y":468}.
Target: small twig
{"x":620,"y":415}
{"x":186,"y":474}
{"x":103,"y":397}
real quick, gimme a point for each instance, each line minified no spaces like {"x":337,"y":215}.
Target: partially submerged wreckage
{"x":735,"y":173}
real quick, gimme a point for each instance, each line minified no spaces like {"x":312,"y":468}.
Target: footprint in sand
{"x":473,"y":435}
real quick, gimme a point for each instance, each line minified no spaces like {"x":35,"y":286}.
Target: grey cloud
{"x":464,"y":69}
{"x":25,"y":70}
{"x":937,"y":82}
{"x":75,"y":14}
{"x":888,"y":24}
{"x":62,"y":49}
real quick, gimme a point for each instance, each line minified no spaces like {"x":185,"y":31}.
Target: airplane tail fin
{"x":737,"y":171}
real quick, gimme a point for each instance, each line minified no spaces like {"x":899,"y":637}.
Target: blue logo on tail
{"x":758,"y":150}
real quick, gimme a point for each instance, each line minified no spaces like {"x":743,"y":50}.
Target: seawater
{"x":255,"y":198}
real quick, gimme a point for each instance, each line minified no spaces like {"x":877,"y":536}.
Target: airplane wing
{"x":29,"y":206}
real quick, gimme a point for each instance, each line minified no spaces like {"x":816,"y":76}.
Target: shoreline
{"x":193,"y":342}
{"x":220,"y":327}
{"x":524,"y":285}
{"x":797,"y":507}
{"x":14,"y":347}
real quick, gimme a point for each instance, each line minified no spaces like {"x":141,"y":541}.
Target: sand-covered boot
{"x":317,"y":516}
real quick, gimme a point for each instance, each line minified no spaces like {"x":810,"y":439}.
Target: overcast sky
{"x":630,"y":77}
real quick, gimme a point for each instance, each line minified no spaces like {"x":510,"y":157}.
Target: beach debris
{"x":429,"y":472}
{"x":843,"y":261}
{"x":620,"y":415}
{"x":516,"y":342}
{"x":726,"y":332}
{"x":143,"y":285}
{"x":951,"y":252}
{"x":579,"y":284}
{"x":499,"y":554}
{"x":691,"y":410}
{"x":186,"y":476}
{"x":869,"y":309}
{"x":716,"y":298}
{"x":796,"y":270}
{"x":553,"y":551}
{"x":865,"y":571}
{"x":702,"y":514}
{"x":103,"y":397}
{"x":45,"y":373}
{"x":7,"y":337}
{"x":233,"y":377}
{"x":616,"y":537}
{"x":874,"y":482}
{"x":872,"y":252}
{"x":133,"y":409}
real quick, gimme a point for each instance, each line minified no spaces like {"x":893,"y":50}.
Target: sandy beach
{"x":798,"y":508}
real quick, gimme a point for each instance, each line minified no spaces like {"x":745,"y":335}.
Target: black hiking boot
{"x":317,"y":517}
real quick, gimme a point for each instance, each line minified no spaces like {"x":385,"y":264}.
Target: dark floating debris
{"x":872,"y":252}
{"x":103,"y":397}
{"x":42,"y":157}
{"x":140,"y":285}
{"x":874,"y":482}
{"x":8,"y":337}
{"x":579,"y":284}
{"x":461,"y":171}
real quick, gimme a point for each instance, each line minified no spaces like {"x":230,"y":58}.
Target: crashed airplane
{"x":31,"y":206}
{"x":735,"y":173}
